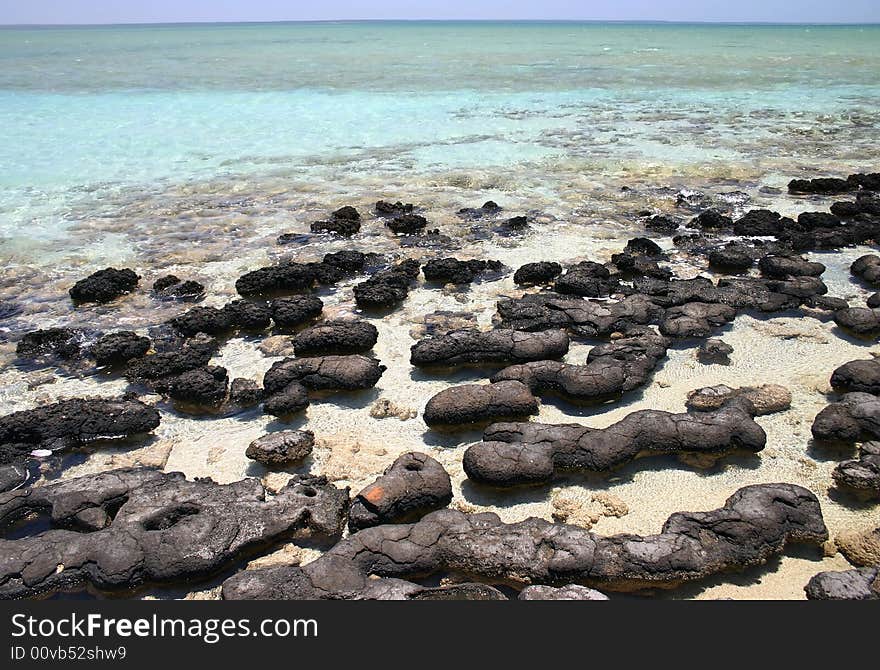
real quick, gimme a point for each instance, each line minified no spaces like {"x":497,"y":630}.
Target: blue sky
{"x":149,"y":11}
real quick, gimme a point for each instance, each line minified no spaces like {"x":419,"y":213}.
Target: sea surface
{"x":191,"y":148}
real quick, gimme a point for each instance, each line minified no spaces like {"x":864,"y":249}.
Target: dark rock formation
{"x":454,"y":271}
{"x":755,"y":523}
{"x":248,"y":315}
{"x":587,"y":279}
{"x":861,"y":375}
{"x":695,"y":319}
{"x":115,"y":349}
{"x":489,"y":208}
{"x":196,"y":352}
{"x":287,"y":401}
{"x":336,"y":337}
{"x":204,"y":387}
{"x":470,"y":346}
{"x":62,"y":343}
{"x":662,"y":224}
{"x":731,"y":259}
{"x":245,"y":392}
{"x":281,"y":449}
{"x":537,"y":273}
{"x":760,"y":400}
{"x":873,"y":301}
{"x":208,"y":320}
{"x":821,"y":185}
{"x":863,"y":474}
{"x":104,"y":285}
{"x":412,"y":486}
{"x":611,"y":370}
{"x":761,"y":223}
{"x":584,"y":318}
{"x":782,"y":267}
{"x":72,"y":423}
{"x":123,"y":528}
{"x":295,"y":310}
{"x":324,"y":373}
{"x":711,"y":219}
{"x":287,"y":277}
{"x":407,"y":224}
{"x":345,"y":221}
{"x":867,"y":267}
{"x":385,"y":208}
{"x":171,"y":287}
{"x":388,"y":288}
{"x":860,"y":321}
{"x":859,"y":584}
{"x":480,"y":403}
{"x":855,"y":417}
{"x":714,"y":350}
{"x":529,"y":453}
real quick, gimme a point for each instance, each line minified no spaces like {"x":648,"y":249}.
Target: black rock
{"x":537,"y":273}
{"x":208,"y":320}
{"x":714,"y":350}
{"x":868,"y":268}
{"x":711,"y":219}
{"x":336,"y":337}
{"x":195,"y":353}
{"x":171,"y":287}
{"x":290,"y":277}
{"x":662,"y":224}
{"x":863,"y":474}
{"x":732,"y":259}
{"x":454,"y":271}
{"x":324,"y":373}
{"x":248,"y":315}
{"x":820,"y":185}
{"x":384,"y":208}
{"x":860,"y":375}
{"x":479,"y":403}
{"x":412,"y":486}
{"x":245,"y":392}
{"x":281,"y":449}
{"x":289,"y":400}
{"x":470,"y":346}
{"x":388,"y":288}
{"x":781,"y":267}
{"x":203,"y":386}
{"x":859,"y":584}
{"x":407,"y":224}
{"x":295,"y":310}
{"x":63,"y":343}
{"x":643,"y":246}
{"x":114,"y":349}
{"x":104,"y":285}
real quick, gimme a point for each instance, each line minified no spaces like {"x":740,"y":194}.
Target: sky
{"x":171,"y":11}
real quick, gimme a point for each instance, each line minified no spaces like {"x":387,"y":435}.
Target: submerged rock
{"x":412,"y":486}
{"x":470,"y":346}
{"x":171,"y":287}
{"x":336,"y":337}
{"x":245,"y":392}
{"x":204,"y":387}
{"x":530,"y":453}
{"x":407,"y":224}
{"x":196,"y":352}
{"x":754,"y":524}
{"x":104,"y":285}
{"x":711,"y":219}
{"x":695,"y":319}
{"x":388,"y":288}
{"x":62,"y":343}
{"x":287,"y":277}
{"x":124,"y":528}
{"x":345,"y":221}
{"x":479,"y":403}
{"x":72,"y":423}
{"x":115,"y":349}
{"x":765,"y":399}
{"x":281,"y":449}
{"x":287,"y":401}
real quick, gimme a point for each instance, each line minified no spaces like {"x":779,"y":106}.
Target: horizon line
{"x":401,"y":20}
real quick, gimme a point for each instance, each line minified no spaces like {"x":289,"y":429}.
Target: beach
{"x":190,"y":150}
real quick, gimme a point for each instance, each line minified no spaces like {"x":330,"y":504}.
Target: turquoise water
{"x":113,"y":123}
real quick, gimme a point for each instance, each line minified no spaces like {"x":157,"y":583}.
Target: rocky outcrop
{"x":115,"y":349}
{"x":585,"y":318}
{"x":407,"y":224}
{"x":821,"y":185}
{"x":388,"y":288}
{"x":195,"y":352}
{"x":471,"y":404}
{"x":761,"y":400}
{"x":611,"y":369}
{"x":281,"y":449}
{"x":287,"y":277}
{"x":324,"y":373}
{"x":695,"y":319}
{"x":711,"y":219}
{"x":412,"y":486}
{"x":531,"y":274}
{"x":855,"y":417}
{"x":867,"y":268}
{"x":529,"y":453}
{"x":336,"y":337}
{"x":754,"y":524}
{"x":171,"y":287}
{"x":861,"y":475}
{"x":104,"y":285}
{"x":862,"y":322}
{"x":295,"y":310}
{"x":124,"y":528}
{"x":345,"y":221}
{"x":60,"y":343}
{"x":859,"y":584}
{"x":860,"y":375}
{"x":454,"y":271}
{"x":202,"y":387}
{"x":245,"y":392}
{"x":470,"y":346}
{"x":761,"y":223}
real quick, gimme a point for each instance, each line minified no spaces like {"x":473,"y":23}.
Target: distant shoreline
{"x":769,"y":24}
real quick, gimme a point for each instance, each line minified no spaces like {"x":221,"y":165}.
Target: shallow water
{"x":189,"y":149}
